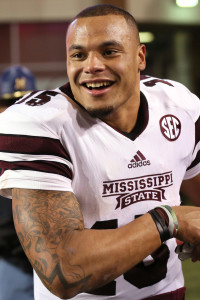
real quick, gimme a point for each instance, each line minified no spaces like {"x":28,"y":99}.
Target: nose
{"x":94,"y":63}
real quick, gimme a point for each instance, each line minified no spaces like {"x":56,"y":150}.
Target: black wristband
{"x":161,"y":225}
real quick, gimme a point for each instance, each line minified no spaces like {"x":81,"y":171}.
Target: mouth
{"x":98,"y":85}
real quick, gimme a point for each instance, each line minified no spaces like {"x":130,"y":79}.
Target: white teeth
{"x":97,"y":84}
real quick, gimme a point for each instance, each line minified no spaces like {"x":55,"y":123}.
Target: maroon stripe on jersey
{"x":38,"y":165}
{"x":178,"y":294}
{"x":35,"y":145}
{"x":197,"y":140}
{"x":197,"y":131}
{"x":195,"y":162}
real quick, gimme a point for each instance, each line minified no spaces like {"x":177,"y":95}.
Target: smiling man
{"x":104,"y":64}
{"x":95,"y":169}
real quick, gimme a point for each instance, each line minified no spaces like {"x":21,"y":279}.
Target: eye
{"x":78,"y":55}
{"x":109,"y":52}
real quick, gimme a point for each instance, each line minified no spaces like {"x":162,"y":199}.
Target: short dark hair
{"x":107,"y":9}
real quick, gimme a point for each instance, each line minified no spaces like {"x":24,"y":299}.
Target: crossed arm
{"x":70,"y":259}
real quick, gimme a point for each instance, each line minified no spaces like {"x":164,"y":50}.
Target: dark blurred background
{"x":33,"y":34}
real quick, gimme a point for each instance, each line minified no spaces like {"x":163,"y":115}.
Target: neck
{"x":124,"y":120}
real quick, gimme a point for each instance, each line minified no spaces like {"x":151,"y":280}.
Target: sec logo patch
{"x":170,"y":127}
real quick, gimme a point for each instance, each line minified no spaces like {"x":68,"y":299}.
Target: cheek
{"x":126,"y":68}
{"x":73,"y":71}
{"x":132,"y":72}
{"x":70,"y":70}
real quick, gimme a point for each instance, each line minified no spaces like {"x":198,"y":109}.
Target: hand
{"x":184,"y":251}
{"x":196,"y":253}
{"x":187,"y":250}
{"x":189,"y":224}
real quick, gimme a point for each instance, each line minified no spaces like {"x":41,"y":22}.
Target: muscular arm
{"x":70,"y":259}
{"x":191,"y":189}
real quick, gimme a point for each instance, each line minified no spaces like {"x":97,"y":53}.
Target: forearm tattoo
{"x":45,"y":222}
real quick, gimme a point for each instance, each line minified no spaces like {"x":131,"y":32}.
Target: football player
{"x":96,"y":167}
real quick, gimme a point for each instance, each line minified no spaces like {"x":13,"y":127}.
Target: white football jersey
{"x":52,"y":143}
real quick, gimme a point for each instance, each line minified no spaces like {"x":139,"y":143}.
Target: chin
{"x":100,"y":112}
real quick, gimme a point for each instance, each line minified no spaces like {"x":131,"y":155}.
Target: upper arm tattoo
{"x":45,"y":221}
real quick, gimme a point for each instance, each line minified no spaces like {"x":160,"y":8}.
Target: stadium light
{"x":146,"y":37}
{"x":187,"y":3}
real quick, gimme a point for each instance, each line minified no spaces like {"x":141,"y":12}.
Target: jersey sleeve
{"x":191,"y":105}
{"x":181,"y":97}
{"x":193,"y":109}
{"x":194,"y":168}
{"x":32,"y":155}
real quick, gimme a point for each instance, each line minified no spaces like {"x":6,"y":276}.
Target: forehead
{"x":98,"y":28}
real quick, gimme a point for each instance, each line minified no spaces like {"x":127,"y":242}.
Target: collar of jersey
{"x":142,"y":119}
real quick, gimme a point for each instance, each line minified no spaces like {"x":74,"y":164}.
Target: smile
{"x":98,"y":85}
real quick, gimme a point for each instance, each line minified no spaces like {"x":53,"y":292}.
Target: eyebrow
{"x":104,"y":44}
{"x":111,"y":43}
{"x":76,"y":47}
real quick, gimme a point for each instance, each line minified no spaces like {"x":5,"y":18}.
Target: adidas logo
{"x":138,"y":160}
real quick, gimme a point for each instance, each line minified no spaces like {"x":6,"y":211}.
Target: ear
{"x":141,"y":57}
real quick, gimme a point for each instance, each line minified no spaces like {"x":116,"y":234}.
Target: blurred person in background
{"x":16,"y":273}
